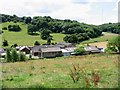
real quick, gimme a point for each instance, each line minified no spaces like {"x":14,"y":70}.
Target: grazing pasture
{"x":54,"y":72}
{"x":22,"y":38}
{"x":106,"y":37}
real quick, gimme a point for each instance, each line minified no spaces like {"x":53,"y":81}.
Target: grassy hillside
{"x":54,"y":73}
{"x":106,"y":37}
{"x":22,"y":38}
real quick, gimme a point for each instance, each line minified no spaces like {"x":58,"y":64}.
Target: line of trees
{"x":75,"y":32}
{"x":111,"y":27}
{"x":13,"y":56}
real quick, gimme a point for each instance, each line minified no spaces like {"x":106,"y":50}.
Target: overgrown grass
{"x":54,"y":73}
{"x":22,"y":38}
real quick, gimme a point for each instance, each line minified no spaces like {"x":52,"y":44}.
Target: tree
{"x":15,"y":56}
{"x":5,"y":43}
{"x":32,"y":29}
{"x":15,"y":28}
{"x":49,"y":40}
{"x":36,"y":43}
{"x":115,"y":43}
{"x":45,"y":34}
{"x":71,"y":38}
{"x":22,"y":57}
{"x":79,"y":50}
{"x":8,"y":55}
{"x":27,"y":20}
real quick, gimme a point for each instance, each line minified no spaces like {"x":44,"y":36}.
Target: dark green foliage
{"x":27,"y":20}
{"x":45,"y":34}
{"x":8,"y":55}
{"x":4,"y":28}
{"x":15,"y":56}
{"x":71,"y":38}
{"x":111,"y":27}
{"x":30,"y":56}
{"x":49,"y":40}
{"x":15,"y":28}
{"x":22,"y":57}
{"x":5,"y":43}
{"x":15,"y":45}
{"x":36,"y":43}
{"x":32,"y":29}
{"x":114,"y":44}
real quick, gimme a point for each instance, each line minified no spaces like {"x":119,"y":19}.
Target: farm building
{"x":65,"y":52}
{"x":51,"y":52}
{"x":36,"y":50}
{"x":91,"y":49}
{"x":63,"y":45}
{"x":71,"y":49}
{"x":25,"y":49}
{"x":46,"y":51}
{"x":2,"y":52}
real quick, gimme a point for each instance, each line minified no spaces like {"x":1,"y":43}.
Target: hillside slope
{"x":22,"y":38}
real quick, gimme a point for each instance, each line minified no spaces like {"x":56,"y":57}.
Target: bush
{"x":4,"y":28}
{"x":110,"y":49}
{"x":22,"y":57}
{"x":30,"y":56}
{"x":8,"y":55}
{"x":5,"y":43}
{"x":80,"y":50}
{"x":15,"y":56}
{"x":36,"y":43}
{"x":15,"y":28}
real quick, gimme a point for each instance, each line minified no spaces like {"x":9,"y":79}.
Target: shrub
{"x":8,"y":55}
{"x":15,"y":56}
{"x":22,"y":57}
{"x":4,"y":28}
{"x":5,"y":43}
{"x":30,"y":56}
{"x":36,"y":43}
{"x":15,"y":28}
{"x":80,"y":50}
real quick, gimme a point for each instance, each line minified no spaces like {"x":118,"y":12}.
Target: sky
{"x":86,"y":11}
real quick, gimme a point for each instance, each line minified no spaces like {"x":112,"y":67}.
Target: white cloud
{"x":63,"y":9}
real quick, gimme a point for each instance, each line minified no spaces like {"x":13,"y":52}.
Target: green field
{"x":54,"y":73}
{"x":22,"y":38}
{"x":106,"y":37}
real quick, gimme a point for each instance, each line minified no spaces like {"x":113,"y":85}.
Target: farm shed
{"x":25,"y":49}
{"x":91,"y":49}
{"x":51,"y":52}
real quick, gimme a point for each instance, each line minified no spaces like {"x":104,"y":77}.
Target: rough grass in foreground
{"x":54,"y":73}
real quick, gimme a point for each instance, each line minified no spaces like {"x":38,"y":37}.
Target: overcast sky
{"x":87,"y":11}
